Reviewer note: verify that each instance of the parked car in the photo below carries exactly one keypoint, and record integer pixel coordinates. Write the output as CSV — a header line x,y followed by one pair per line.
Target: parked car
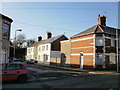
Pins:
x,y
14,71
30,61
16,61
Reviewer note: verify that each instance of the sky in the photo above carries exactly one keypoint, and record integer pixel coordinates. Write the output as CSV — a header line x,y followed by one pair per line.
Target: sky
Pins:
x,y
69,18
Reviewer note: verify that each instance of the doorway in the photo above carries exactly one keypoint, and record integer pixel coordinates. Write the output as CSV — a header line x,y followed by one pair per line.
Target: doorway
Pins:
x,y
81,60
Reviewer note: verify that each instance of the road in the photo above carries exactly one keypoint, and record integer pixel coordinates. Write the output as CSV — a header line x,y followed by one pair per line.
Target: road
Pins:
x,y
43,77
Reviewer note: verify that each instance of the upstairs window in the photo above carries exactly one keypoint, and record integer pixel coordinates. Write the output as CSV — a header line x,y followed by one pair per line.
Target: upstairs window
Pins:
x,y
107,42
39,48
46,47
5,30
113,43
99,41
43,48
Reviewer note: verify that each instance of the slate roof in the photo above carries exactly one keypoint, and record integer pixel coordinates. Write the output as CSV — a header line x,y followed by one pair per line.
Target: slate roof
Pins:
x,y
98,29
50,40
5,17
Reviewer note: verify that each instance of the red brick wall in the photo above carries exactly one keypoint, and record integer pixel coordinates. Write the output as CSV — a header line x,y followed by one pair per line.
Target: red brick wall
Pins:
x,y
82,43
88,60
56,46
85,50
76,48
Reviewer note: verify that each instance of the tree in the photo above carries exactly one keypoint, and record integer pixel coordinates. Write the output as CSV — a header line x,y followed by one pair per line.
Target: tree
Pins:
x,y
20,40
30,42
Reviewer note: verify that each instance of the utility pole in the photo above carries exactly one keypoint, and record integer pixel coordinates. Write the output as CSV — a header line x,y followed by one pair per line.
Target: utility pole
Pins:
x,y
15,41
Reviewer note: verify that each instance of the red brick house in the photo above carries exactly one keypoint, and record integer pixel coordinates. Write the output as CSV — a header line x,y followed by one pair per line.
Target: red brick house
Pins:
x,y
95,47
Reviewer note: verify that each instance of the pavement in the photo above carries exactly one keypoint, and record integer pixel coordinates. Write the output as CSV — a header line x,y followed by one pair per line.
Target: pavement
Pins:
x,y
82,70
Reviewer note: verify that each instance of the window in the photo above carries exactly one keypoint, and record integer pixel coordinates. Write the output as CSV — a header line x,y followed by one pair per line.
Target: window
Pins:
x,y
45,57
43,48
5,30
39,48
99,41
107,42
22,66
113,43
99,58
112,58
28,50
46,47
3,67
13,67
39,57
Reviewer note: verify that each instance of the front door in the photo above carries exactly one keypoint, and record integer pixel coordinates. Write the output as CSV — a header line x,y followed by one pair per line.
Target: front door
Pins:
x,y
81,60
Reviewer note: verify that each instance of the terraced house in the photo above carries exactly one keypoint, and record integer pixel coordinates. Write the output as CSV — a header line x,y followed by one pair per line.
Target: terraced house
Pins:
x,y
46,51
5,27
95,47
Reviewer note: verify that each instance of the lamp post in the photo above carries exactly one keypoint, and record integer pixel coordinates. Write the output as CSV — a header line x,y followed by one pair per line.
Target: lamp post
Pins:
x,y
117,50
15,40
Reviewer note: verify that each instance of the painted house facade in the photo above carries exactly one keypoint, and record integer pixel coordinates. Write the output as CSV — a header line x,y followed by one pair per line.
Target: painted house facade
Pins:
x,y
5,27
95,47
46,51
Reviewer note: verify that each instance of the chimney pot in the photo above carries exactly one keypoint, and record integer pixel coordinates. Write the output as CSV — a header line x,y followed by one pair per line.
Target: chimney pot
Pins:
x,y
39,38
49,35
101,20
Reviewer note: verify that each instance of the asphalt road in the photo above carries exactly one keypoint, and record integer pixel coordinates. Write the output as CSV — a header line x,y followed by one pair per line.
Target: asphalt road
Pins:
x,y
53,78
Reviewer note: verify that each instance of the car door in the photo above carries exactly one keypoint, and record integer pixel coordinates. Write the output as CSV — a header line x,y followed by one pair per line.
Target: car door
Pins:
x,y
3,72
13,71
23,69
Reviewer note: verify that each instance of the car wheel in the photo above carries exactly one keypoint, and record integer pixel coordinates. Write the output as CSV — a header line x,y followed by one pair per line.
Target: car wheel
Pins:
x,y
22,78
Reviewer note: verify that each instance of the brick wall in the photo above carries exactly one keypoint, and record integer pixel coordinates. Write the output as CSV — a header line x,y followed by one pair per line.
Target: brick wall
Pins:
x,y
84,44
55,46
65,52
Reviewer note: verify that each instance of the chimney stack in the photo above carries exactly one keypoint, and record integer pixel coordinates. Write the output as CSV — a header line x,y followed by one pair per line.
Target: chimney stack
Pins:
x,y
101,20
49,35
39,38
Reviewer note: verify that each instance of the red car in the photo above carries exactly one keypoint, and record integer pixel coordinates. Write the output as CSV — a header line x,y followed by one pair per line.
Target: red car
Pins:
x,y
14,71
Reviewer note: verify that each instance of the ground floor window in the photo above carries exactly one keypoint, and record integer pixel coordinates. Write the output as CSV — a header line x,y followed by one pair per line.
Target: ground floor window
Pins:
x,y
99,59
45,57
39,57
112,58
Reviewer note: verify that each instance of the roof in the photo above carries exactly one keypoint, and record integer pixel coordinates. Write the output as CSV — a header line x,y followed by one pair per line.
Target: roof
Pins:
x,y
98,29
7,18
50,40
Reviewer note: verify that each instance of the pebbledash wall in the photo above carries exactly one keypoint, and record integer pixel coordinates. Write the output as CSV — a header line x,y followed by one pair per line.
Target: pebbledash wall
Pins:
x,y
0,38
5,25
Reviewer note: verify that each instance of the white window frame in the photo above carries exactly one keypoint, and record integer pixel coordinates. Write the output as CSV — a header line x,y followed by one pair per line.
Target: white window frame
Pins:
x,y
112,43
112,58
